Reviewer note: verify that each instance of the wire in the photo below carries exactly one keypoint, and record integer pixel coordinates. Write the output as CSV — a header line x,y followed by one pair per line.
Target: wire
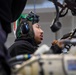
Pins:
x,y
18,58
57,9
34,6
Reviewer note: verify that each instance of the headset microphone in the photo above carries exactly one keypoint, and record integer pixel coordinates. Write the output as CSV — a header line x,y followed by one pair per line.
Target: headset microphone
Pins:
x,y
56,25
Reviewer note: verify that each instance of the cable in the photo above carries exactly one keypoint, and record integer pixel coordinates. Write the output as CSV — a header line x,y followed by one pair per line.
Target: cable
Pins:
x,y
72,33
20,58
57,10
34,6
55,25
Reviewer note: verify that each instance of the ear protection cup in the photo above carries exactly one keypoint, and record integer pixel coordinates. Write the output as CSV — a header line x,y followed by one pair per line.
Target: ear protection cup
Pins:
x,y
25,27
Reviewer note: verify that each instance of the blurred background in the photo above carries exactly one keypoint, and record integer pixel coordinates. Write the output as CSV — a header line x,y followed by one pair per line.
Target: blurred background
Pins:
x,y
46,10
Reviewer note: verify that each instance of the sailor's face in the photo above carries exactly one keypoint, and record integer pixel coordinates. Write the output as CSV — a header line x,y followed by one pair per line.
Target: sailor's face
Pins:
x,y
38,32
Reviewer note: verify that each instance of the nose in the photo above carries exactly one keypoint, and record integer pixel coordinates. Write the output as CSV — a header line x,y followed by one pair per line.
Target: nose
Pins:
x,y
42,31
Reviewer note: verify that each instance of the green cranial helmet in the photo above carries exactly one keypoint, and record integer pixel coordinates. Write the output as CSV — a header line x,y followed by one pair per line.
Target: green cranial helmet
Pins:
x,y
31,17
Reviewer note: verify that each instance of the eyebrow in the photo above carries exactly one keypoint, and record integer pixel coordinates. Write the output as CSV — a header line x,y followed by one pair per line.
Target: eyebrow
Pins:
x,y
38,25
